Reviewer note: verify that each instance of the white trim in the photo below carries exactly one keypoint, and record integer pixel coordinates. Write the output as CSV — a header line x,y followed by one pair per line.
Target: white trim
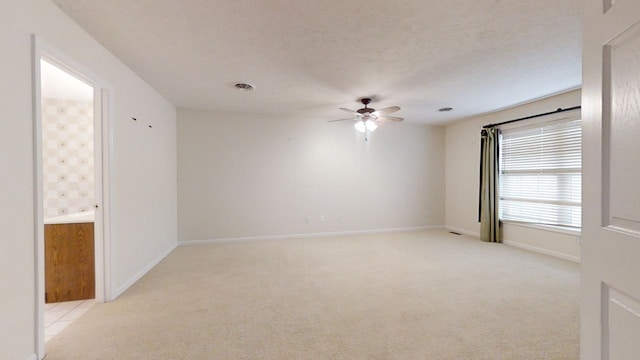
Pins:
x,y
38,213
462,231
43,50
103,135
106,102
536,249
305,236
119,291
551,228
539,250
32,357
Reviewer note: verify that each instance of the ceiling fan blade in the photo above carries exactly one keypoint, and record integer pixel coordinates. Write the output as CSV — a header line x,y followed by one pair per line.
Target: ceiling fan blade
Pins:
x,y
341,120
348,110
390,118
386,111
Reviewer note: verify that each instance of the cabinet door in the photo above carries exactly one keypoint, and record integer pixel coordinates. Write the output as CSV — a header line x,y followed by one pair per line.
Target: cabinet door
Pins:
x,y
69,262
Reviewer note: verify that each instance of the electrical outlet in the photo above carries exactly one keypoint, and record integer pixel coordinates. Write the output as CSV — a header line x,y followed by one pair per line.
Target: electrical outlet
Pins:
x,y
307,219
340,219
322,218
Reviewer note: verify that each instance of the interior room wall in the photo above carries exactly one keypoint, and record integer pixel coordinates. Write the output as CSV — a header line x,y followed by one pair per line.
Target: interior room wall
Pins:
x,y
67,156
143,179
463,173
263,175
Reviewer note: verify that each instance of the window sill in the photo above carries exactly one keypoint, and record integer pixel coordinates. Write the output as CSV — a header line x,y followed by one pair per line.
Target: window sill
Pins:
x,y
552,228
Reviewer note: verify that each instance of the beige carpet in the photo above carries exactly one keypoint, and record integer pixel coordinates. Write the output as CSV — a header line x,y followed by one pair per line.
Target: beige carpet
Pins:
x,y
422,295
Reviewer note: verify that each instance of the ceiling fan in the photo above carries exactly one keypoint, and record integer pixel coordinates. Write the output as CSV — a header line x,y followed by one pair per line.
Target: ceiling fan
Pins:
x,y
368,118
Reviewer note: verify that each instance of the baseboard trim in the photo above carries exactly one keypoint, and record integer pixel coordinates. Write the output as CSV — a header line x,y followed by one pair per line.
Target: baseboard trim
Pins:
x,y
305,236
540,250
32,357
142,272
462,231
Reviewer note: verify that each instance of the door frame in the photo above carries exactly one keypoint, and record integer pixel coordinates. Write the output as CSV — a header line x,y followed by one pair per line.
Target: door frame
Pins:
x,y
103,143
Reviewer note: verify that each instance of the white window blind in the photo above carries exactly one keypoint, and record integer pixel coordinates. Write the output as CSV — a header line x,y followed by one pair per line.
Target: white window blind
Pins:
x,y
541,174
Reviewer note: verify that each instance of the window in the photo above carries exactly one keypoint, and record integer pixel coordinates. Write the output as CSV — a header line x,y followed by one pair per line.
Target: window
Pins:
x,y
541,174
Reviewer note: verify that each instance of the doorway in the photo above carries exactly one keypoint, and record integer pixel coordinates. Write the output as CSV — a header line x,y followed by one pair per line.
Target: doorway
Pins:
x,y
70,125
68,185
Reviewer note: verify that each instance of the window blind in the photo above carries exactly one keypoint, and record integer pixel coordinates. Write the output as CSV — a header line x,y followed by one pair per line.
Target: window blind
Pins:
x,y
541,174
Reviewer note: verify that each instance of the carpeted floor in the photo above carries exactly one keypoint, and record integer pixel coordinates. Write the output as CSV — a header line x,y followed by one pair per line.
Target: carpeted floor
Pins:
x,y
421,295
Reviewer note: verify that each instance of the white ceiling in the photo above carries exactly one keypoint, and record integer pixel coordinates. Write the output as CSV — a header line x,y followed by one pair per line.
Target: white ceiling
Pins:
x,y
312,57
59,84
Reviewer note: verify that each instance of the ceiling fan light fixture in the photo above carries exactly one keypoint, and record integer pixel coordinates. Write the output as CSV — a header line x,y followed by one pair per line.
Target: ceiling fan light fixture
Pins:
x,y
371,126
368,119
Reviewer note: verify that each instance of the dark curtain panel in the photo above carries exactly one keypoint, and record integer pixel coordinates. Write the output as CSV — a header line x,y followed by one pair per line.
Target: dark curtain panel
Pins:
x,y
489,221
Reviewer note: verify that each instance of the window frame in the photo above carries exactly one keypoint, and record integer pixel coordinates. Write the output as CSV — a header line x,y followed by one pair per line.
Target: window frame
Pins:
x,y
532,124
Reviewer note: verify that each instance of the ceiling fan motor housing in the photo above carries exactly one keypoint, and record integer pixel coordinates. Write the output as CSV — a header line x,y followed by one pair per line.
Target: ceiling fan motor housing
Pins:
x,y
365,109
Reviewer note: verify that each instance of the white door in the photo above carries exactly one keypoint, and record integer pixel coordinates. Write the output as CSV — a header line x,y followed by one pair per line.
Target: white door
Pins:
x,y
610,295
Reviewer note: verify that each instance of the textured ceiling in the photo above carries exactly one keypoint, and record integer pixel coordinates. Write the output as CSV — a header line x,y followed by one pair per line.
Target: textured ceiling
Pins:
x,y
311,57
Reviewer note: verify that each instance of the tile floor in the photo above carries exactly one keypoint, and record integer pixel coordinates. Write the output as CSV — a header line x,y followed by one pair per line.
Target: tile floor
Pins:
x,y
58,315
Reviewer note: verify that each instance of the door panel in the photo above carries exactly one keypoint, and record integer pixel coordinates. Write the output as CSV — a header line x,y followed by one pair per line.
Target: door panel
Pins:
x,y
69,262
610,284
622,100
623,322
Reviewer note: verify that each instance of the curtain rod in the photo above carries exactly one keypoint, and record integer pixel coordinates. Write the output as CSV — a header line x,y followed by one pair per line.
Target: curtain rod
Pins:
x,y
532,116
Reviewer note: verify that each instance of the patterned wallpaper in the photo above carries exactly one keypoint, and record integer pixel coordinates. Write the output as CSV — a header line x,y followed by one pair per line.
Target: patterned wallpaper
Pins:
x,y
67,127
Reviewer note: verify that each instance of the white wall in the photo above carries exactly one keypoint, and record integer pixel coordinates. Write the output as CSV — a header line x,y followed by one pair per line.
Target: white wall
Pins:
x,y
260,175
463,172
144,163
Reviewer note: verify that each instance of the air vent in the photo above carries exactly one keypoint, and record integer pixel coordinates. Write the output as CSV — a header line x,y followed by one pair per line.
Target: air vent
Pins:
x,y
244,86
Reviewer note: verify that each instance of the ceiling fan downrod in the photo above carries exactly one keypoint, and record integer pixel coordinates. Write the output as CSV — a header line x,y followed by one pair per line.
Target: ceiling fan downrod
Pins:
x,y
366,110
